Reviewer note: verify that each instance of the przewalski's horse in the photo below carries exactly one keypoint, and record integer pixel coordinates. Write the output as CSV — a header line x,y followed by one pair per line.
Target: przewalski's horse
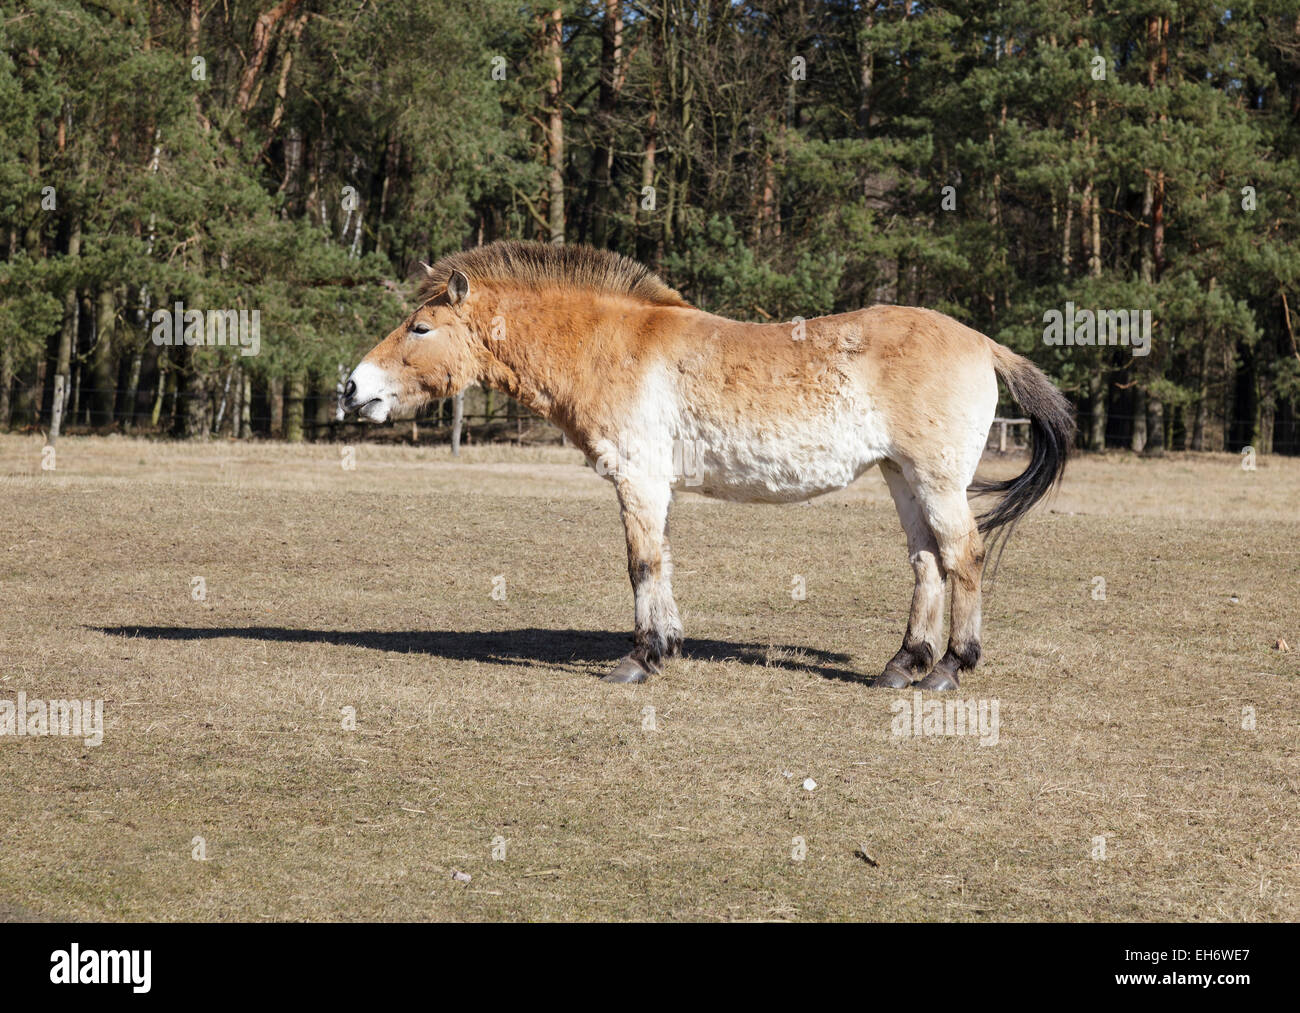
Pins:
x,y
662,396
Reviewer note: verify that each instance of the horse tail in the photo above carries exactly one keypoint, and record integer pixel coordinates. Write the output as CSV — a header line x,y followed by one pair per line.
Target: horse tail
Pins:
x,y
1052,426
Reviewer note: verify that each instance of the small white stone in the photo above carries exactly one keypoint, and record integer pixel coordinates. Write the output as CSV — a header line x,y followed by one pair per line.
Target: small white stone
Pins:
x,y
809,784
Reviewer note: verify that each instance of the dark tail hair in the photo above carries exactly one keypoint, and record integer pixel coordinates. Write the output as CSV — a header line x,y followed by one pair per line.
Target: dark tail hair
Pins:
x,y
1051,421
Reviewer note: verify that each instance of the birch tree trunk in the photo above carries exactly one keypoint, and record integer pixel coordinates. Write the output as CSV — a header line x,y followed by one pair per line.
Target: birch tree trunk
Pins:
x,y
457,417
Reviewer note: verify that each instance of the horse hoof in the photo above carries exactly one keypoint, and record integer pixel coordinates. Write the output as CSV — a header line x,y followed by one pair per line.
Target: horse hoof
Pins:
x,y
891,678
627,670
938,682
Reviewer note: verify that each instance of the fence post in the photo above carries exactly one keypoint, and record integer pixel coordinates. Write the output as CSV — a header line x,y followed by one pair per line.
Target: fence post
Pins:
x,y
56,409
457,416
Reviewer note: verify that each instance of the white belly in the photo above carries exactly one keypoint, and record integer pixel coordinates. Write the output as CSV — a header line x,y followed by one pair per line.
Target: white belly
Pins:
x,y
778,462
779,459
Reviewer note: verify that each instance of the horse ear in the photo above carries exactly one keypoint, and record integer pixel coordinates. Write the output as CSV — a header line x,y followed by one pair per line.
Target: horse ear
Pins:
x,y
457,288
427,269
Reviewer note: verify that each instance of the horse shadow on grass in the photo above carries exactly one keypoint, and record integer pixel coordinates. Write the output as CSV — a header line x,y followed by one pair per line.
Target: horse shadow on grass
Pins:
x,y
526,647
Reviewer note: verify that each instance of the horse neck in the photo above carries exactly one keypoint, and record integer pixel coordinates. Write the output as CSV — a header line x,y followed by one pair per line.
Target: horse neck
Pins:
x,y
543,357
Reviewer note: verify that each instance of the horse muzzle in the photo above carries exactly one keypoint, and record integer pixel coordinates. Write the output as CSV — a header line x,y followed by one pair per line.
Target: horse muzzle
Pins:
x,y
368,393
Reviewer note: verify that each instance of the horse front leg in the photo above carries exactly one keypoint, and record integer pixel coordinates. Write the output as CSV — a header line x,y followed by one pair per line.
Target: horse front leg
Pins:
x,y
657,631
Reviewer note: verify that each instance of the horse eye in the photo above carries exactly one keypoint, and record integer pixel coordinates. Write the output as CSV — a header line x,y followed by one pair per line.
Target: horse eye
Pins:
x,y
421,329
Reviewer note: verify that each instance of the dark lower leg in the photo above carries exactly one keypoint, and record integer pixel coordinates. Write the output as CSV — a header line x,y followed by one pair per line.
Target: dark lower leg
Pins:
x,y
957,659
913,660
646,658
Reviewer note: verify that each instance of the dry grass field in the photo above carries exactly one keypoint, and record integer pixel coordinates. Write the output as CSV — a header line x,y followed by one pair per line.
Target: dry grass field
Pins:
x,y
1127,718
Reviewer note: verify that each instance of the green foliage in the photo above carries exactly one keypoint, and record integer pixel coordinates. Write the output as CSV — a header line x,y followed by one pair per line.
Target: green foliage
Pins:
x,y
967,157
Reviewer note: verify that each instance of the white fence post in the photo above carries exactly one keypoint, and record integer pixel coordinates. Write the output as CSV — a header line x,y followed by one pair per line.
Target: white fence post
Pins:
x,y
1002,425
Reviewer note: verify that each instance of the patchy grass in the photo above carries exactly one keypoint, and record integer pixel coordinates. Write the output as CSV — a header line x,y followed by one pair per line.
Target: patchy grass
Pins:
x,y
479,719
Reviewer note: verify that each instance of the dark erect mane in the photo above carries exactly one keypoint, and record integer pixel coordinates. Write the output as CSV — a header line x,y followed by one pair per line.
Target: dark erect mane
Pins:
x,y
536,265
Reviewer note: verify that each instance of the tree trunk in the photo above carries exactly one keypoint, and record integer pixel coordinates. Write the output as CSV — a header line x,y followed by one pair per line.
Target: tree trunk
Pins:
x,y
191,413
67,335
1090,233
276,397
155,410
1202,418
7,354
30,402
1264,423
1158,32
220,420
1097,406
237,402
246,409
322,413
130,408
85,320
555,124
6,379
602,154
104,371
1155,426
1138,438
290,186
293,408
646,245
457,417
263,30
866,70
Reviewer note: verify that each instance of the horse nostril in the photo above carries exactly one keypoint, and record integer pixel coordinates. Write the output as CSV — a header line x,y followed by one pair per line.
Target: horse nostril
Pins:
x,y
350,389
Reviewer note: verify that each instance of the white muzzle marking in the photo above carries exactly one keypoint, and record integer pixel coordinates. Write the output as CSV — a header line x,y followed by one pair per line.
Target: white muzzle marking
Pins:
x,y
373,399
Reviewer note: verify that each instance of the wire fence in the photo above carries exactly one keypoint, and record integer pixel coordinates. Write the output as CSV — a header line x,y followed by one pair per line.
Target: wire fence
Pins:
x,y
510,422
1010,435
522,424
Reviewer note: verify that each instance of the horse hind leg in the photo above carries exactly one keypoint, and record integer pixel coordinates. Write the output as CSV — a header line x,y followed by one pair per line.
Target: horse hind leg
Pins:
x,y
925,622
961,553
